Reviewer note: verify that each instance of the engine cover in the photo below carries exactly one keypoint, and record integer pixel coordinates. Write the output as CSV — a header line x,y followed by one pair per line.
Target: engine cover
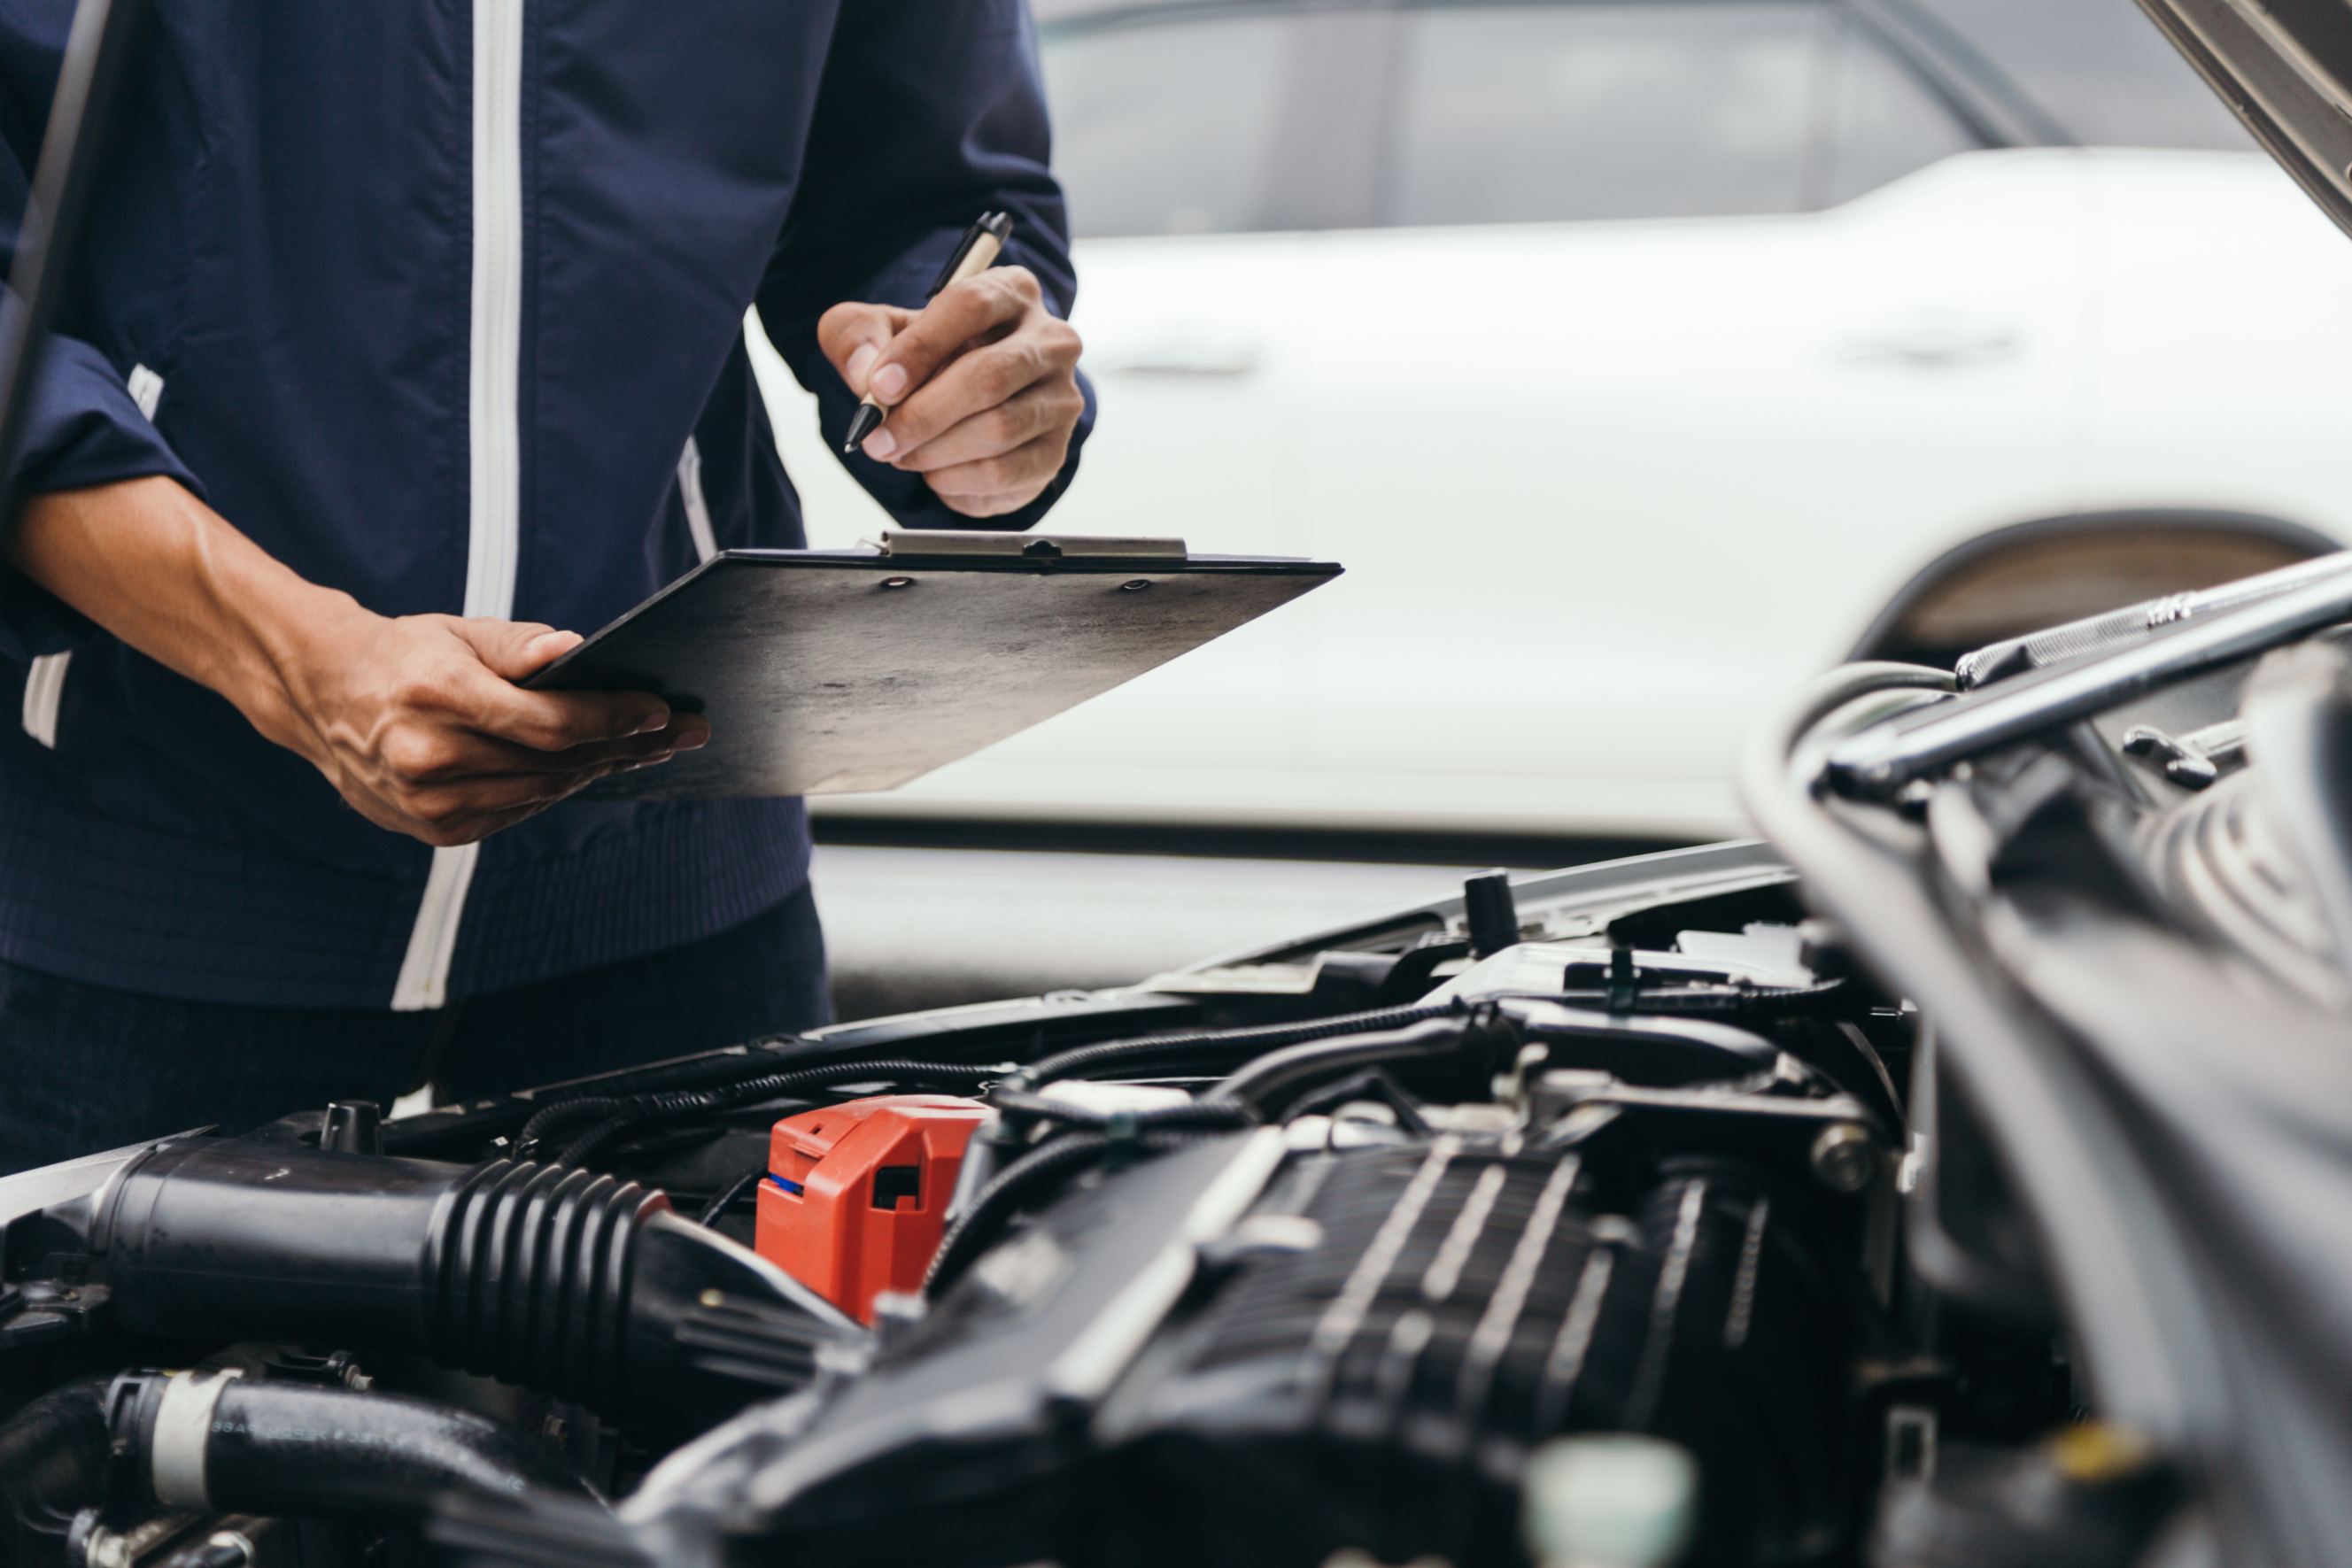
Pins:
x,y
1227,1357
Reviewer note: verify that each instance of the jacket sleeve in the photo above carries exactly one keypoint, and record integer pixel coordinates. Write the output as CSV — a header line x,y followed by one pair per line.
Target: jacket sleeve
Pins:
x,y
929,113
84,427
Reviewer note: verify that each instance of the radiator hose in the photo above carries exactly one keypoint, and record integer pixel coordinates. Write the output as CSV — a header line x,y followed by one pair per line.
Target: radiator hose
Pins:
x,y
214,1442
52,1466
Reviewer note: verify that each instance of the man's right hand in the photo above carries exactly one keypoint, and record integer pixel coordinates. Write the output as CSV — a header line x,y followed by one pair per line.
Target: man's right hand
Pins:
x,y
416,720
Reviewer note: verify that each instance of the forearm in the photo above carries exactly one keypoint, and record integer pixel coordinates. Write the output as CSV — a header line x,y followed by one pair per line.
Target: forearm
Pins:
x,y
154,565
417,720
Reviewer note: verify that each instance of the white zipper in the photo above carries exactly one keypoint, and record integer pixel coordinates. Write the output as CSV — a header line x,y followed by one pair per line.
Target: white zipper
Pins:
x,y
45,683
697,505
494,526
45,691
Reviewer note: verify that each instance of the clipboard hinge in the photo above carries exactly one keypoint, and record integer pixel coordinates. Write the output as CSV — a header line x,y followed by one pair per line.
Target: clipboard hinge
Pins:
x,y
962,543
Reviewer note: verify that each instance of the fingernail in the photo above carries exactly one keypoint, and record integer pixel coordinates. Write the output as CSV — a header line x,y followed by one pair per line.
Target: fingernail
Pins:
x,y
656,720
861,359
891,382
881,444
694,739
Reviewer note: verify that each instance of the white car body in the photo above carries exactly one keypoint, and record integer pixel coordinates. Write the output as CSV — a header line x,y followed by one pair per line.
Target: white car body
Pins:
x,y
1612,487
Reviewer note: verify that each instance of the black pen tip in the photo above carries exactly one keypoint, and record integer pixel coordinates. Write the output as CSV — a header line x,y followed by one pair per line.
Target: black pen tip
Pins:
x,y
864,423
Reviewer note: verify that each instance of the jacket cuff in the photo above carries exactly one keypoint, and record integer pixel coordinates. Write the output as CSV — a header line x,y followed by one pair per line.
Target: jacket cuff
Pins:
x,y
84,431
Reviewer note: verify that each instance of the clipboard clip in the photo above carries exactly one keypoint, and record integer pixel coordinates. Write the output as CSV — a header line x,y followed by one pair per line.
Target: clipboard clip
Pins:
x,y
971,544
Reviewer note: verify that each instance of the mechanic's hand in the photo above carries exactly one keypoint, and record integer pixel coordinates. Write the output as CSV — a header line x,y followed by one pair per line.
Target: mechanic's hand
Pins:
x,y
419,723
982,385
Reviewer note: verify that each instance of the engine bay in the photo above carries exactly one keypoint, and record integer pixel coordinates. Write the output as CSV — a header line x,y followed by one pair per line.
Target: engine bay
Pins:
x,y
1679,1209
1265,1262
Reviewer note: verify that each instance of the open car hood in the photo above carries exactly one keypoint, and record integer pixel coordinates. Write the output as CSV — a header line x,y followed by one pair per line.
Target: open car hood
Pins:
x,y
2285,66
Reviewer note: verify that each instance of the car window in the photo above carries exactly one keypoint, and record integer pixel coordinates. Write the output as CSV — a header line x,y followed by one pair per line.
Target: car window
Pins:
x,y
1168,128
1520,114
1883,121
2098,69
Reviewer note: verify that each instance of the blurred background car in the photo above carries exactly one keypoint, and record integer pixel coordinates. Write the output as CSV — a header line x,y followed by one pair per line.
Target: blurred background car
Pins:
x,y
1638,358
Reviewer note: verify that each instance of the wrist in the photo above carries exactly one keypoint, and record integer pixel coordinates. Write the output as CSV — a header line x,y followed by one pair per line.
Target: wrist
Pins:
x,y
149,561
290,636
259,627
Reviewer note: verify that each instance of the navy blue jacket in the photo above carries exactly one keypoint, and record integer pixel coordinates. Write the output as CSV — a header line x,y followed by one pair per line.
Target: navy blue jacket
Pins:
x,y
442,303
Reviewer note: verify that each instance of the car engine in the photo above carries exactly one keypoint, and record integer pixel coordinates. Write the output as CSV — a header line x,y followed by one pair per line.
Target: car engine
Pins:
x,y
1679,1209
1258,1264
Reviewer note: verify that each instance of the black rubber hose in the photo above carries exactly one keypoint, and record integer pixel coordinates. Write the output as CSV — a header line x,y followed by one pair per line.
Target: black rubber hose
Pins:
x,y
277,1448
217,1551
566,1281
52,1466
1219,1044
301,1450
1270,1082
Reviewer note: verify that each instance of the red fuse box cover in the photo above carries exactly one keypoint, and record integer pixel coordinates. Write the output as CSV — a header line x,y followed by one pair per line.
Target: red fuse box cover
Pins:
x,y
856,1196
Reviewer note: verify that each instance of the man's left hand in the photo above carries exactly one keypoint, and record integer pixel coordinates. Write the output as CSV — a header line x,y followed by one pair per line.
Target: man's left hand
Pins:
x,y
982,385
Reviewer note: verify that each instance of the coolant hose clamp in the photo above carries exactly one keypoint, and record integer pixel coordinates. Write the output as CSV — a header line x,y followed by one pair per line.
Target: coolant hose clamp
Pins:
x,y
182,1429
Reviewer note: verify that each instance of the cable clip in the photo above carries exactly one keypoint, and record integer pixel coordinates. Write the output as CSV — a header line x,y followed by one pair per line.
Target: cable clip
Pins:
x,y
1624,981
1125,1132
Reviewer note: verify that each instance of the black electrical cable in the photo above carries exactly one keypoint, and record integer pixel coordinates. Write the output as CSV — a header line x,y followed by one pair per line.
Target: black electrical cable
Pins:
x,y
591,1145
1371,1084
1734,999
1061,1158
1050,1161
616,1119
729,1195
990,1212
1219,1044
551,1119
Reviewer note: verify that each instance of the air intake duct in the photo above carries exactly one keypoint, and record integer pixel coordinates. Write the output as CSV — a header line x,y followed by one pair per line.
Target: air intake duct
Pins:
x,y
565,1280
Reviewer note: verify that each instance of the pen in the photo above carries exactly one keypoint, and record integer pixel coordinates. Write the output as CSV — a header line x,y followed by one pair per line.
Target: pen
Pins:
x,y
974,254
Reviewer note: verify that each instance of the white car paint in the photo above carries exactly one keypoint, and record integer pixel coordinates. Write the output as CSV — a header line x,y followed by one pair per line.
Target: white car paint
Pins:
x,y
1608,491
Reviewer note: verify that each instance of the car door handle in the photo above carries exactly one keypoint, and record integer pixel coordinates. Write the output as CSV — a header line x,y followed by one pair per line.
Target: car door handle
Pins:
x,y
1933,343
1201,357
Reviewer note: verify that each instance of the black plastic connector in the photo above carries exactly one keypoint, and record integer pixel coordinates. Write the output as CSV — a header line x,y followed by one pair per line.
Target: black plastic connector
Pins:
x,y
1491,913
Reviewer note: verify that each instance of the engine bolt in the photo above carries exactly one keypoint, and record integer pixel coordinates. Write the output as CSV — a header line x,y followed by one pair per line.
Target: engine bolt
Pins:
x,y
1845,1157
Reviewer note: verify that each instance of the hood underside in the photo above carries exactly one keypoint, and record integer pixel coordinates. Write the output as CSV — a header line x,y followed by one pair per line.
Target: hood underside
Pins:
x,y
2285,66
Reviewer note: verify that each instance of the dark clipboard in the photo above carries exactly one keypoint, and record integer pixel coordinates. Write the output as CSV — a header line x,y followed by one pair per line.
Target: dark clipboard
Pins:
x,y
834,671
